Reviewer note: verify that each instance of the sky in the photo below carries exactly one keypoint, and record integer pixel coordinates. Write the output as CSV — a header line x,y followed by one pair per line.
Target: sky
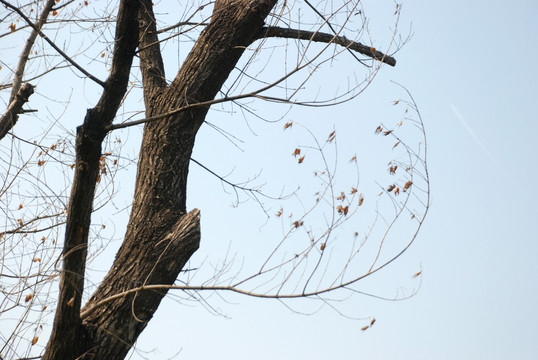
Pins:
x,y
470,66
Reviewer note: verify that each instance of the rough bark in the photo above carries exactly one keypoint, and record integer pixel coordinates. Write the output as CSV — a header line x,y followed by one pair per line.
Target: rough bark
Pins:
x,y
69,338
161,236
156,256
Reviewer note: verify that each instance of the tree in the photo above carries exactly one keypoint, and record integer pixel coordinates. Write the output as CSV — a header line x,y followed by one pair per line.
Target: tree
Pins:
x,y
162,234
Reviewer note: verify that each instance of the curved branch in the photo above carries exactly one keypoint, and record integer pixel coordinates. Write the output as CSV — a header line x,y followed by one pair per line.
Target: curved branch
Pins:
x,y
275,31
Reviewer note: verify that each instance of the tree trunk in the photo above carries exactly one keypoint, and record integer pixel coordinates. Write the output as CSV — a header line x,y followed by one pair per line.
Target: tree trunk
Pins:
x,y
161,236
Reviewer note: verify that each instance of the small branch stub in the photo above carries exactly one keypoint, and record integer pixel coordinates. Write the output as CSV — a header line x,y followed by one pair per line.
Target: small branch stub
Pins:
x,y
10,117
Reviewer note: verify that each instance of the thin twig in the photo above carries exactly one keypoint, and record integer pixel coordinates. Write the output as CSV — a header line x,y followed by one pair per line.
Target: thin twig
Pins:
x,y
51,43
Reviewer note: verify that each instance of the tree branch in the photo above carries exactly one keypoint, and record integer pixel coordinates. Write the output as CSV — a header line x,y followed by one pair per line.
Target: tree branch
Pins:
x,y
68,338
51,43
151,62
10,117
156,261
274,31
19,72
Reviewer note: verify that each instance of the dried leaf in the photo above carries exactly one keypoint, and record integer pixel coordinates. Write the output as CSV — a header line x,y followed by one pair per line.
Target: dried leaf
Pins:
x,y
34,340
296,152
342,196
12,27
397,143
391,187
332,136
288,125
279,213
407,185
41,162
353,158
19,221
378,129
71,302
353,190
21,206
417,274
372,322
342,209
54,12
301,159
395,102
36,259
388,132
361,199
397,190
322,247
365,327
392,169
28,297
399,123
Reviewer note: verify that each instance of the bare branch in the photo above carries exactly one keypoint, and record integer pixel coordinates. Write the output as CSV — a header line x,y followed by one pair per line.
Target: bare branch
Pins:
x,y
10,117
274,31
19,71
67,324
52,44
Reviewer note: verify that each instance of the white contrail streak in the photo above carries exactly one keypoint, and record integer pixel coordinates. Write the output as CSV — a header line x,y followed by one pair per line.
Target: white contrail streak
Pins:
x,y
485,149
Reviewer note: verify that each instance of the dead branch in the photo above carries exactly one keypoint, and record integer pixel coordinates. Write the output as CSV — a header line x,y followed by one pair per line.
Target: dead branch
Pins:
x,y
10,117
275,31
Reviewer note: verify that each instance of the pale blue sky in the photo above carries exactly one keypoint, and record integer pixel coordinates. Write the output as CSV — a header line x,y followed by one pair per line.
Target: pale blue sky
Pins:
x,y
471,67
